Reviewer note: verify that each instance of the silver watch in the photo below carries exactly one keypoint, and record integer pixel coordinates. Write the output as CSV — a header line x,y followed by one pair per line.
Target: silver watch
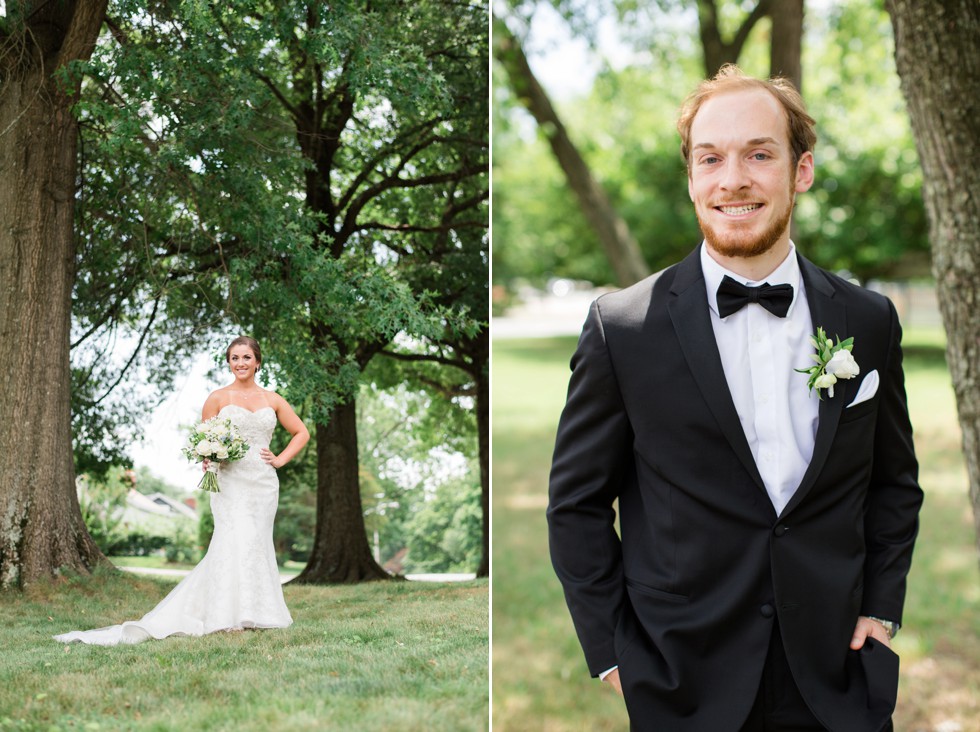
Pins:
x,y
891,628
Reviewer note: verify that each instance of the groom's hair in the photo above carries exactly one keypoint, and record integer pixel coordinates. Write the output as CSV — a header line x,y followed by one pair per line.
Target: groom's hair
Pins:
x,y
730,78
244,341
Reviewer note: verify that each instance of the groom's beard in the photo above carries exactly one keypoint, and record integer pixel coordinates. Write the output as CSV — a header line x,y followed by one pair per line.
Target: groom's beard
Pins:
x,y
744,244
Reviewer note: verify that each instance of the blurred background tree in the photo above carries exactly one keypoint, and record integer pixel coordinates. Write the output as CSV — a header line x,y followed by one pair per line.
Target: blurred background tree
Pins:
x,y
865,214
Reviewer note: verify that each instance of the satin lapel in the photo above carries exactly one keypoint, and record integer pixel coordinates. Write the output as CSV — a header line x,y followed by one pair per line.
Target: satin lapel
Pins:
x,y
691,318
827,311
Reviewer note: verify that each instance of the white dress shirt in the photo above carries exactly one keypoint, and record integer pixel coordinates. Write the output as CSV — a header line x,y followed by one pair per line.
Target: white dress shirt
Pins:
x,y
759,352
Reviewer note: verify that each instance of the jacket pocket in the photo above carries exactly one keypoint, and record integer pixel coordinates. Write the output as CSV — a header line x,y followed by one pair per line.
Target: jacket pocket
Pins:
x,y
656,592
879,664
860,411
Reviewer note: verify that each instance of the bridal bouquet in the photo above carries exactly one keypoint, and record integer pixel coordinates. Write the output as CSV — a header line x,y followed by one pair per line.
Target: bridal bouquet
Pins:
x,y
217,441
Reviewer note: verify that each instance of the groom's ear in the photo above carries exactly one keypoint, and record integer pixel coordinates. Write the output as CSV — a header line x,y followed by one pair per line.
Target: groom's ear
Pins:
x,y
804,172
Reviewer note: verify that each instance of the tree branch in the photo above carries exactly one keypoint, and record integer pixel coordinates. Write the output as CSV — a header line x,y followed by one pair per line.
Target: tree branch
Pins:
x,y
741,36
422,357
393,182
293,111
387,151
409,228
139,346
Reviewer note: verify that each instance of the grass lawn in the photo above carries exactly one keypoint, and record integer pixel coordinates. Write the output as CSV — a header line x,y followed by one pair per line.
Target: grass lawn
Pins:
x,y
378,656
156,561
540,681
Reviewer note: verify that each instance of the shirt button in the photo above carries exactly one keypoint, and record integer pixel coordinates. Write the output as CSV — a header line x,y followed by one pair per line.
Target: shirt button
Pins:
x,y
767,611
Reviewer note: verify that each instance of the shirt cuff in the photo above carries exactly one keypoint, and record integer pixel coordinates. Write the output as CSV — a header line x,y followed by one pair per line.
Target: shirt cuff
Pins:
x,y
604,674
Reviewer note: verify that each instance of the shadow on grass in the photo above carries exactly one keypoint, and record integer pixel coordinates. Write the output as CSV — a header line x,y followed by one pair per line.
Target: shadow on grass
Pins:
x,y
918,355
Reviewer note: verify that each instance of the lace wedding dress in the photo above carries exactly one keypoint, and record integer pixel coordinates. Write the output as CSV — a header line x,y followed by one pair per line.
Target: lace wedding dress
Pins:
x,y
236,585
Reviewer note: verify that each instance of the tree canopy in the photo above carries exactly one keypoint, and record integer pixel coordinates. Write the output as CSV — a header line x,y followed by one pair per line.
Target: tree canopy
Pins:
x,y
306,173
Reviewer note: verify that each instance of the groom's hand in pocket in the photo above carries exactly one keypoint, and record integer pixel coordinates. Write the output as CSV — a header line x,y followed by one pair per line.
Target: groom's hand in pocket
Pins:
x,y
865,628
612,678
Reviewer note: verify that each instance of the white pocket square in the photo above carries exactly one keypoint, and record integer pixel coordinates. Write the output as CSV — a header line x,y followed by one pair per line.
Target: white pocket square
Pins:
x,y
868,388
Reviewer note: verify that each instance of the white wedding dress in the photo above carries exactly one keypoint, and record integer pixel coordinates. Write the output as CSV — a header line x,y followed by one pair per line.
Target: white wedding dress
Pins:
x,y
236,585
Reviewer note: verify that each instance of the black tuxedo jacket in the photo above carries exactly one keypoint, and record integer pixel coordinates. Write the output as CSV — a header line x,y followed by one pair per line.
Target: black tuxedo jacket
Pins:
x,y
685,597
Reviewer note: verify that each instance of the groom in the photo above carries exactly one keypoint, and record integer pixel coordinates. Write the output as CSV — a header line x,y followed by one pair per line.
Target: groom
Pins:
x,y
765,529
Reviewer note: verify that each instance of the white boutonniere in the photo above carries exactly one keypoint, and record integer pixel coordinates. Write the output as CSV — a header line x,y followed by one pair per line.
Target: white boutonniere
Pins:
x,y
833,362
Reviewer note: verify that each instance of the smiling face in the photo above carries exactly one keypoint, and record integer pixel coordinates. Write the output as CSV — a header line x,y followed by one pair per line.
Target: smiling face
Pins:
x,y
742,179
243,363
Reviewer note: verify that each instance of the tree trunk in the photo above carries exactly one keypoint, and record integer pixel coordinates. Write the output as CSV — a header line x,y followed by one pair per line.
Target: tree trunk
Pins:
x,y
785,53
41,527
340,553
785,46
483,434
621,249
937,51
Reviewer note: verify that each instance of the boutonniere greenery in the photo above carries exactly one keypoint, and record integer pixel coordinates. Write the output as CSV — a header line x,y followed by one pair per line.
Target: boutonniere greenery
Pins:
x,y
833,362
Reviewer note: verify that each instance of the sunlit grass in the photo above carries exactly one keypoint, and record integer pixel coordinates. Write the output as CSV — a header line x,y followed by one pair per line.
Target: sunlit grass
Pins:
x,y
155,561
540,680
379,656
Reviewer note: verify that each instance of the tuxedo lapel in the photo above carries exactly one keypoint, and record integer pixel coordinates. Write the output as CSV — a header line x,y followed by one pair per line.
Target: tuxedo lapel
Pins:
x,y
827,311
689,314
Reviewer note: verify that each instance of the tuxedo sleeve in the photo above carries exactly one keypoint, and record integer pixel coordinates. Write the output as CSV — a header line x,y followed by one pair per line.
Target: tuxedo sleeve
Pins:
x,y
593,455
894,495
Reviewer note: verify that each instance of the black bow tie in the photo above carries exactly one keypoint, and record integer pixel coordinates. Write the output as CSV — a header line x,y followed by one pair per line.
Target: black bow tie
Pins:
x,y
733,295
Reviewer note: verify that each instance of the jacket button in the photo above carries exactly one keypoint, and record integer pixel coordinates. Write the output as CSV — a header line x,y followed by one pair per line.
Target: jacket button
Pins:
x,y
781,530
767,611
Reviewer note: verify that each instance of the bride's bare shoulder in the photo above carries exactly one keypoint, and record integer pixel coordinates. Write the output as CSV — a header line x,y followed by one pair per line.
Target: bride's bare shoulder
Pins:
x,y
221,394
273,399
216,400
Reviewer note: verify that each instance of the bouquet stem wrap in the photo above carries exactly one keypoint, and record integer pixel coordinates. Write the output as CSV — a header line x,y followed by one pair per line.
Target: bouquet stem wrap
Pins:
x,y
209,482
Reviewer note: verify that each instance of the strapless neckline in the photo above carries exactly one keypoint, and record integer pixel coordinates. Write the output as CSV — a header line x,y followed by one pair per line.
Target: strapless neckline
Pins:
x,y
244,409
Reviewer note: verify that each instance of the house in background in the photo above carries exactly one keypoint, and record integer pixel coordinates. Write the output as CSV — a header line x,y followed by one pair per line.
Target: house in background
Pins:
x,y
159,504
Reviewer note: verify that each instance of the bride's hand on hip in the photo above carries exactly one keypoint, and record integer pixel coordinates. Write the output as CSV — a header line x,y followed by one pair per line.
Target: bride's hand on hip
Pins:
x,y
266,454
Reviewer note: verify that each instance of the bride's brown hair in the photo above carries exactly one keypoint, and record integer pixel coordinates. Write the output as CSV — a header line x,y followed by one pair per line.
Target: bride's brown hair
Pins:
x,y
245,341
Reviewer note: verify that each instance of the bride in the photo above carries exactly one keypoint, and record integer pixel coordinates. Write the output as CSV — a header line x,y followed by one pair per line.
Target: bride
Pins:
x,y
236,585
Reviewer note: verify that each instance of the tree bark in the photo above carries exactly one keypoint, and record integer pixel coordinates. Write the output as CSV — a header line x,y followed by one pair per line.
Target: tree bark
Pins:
x,y
786,51
937,52
340,553
483,433
41,527
621,249
785,46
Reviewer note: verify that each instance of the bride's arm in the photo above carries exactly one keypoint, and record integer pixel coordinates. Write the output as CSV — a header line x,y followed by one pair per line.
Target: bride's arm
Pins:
x,y
212,405
294,426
